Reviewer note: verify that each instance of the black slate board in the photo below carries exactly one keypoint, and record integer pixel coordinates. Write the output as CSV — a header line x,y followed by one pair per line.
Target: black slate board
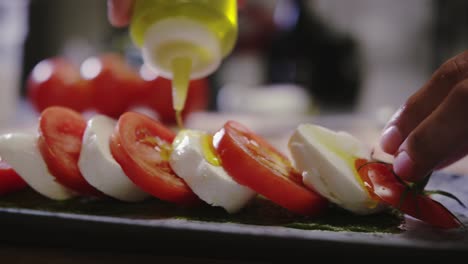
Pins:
x,y
262,231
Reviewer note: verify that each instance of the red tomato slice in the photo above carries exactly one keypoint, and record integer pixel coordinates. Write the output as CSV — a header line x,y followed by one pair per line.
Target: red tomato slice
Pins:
x,y
57,82
381,181
253,162
10,181
142,147
60,133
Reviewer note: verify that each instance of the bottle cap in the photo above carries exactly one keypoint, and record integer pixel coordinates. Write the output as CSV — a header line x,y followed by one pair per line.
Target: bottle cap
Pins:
x,y
174,38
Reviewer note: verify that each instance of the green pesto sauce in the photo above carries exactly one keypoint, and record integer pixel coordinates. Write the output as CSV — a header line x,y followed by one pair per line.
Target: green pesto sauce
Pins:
x,y
259,212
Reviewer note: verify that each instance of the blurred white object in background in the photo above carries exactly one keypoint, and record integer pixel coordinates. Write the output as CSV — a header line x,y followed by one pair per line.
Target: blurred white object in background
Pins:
x,y
271,100
246,69
270,110
13,29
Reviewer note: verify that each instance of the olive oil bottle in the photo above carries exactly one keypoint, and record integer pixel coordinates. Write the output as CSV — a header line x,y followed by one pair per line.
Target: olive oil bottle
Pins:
x,y
184,39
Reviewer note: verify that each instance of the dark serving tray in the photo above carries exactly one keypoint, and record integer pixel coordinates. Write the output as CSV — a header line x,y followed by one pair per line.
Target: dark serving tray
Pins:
x,y
262,230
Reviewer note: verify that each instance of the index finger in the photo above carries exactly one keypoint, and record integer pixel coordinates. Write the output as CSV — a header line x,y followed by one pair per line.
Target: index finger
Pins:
x,y
421,104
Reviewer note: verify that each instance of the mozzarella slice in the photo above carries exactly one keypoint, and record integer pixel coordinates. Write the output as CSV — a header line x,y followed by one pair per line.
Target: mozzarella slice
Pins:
x,y
99,167
20,151
211,183
327,161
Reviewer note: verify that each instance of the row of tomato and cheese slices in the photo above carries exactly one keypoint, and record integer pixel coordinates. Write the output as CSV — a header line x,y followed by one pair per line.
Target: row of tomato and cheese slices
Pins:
x,y
135,157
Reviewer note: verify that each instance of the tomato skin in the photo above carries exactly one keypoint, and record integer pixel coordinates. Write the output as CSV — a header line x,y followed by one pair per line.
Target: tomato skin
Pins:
x,y
10,181
60,133
57,82
157,95
144,163
114,84
384,185
265,170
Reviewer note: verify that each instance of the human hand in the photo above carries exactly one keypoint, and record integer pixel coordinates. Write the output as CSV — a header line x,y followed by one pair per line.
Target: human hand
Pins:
x,y
119,12
430,130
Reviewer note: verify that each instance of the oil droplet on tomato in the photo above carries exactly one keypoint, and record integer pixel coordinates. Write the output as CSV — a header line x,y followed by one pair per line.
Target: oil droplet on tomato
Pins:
x,y
209,151
270,158
164,148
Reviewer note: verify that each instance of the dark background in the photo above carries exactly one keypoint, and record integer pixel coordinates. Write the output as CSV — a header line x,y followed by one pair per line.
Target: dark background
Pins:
x,y
310,52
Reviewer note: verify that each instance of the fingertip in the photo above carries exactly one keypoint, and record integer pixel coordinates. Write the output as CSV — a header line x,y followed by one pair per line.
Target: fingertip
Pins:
x,y
391,139
406,168
403,165
117,22
118,12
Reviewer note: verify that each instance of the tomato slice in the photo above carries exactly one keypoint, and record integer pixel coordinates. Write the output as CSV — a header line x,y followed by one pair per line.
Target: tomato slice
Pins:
x,y
10,181
60,133
142,147
253,162
381,182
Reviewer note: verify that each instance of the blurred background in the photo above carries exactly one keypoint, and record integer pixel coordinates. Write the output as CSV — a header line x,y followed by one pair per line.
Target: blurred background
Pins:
x,y
293,58
355,55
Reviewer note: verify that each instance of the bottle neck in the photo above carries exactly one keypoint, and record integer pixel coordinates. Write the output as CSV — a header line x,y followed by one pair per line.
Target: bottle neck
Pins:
x,y
174,38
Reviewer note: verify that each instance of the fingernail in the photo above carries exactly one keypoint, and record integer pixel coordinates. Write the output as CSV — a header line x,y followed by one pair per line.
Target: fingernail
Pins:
x,y
391,139
394,117
403,165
